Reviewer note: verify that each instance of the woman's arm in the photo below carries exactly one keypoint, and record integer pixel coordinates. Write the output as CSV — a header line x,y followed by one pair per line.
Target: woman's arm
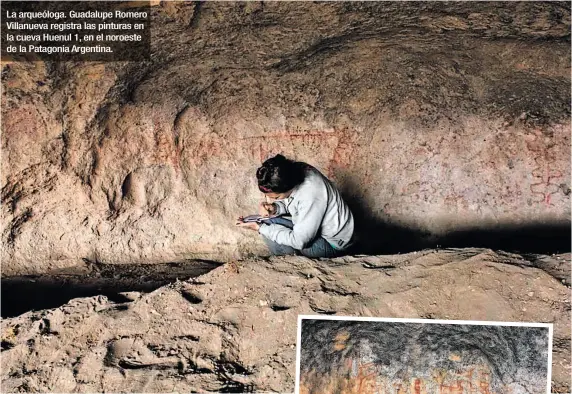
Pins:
x,y
310,213
280,208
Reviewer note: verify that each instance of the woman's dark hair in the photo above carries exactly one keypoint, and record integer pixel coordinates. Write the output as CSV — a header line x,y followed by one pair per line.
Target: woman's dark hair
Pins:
x,y
279,174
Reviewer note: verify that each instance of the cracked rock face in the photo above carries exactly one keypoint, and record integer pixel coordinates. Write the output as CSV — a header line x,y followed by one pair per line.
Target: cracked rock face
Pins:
x,y
234,329
427,115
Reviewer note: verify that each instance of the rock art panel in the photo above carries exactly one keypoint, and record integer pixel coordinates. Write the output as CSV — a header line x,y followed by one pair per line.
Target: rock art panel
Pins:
x,y
413,358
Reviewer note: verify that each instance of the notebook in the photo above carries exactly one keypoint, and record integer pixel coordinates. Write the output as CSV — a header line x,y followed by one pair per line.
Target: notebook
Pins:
x,y
255,218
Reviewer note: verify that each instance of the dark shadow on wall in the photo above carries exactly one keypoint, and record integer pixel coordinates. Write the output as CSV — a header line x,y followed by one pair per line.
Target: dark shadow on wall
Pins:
x,y
542,238
378,235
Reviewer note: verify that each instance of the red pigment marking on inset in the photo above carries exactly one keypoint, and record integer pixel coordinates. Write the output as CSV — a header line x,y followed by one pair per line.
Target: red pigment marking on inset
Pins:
x,y
469,374
366,375
456,388
484,385
349,363
417,386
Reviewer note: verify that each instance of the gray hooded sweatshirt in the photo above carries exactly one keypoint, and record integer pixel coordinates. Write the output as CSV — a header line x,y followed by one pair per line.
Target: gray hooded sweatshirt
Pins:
x,y
317,209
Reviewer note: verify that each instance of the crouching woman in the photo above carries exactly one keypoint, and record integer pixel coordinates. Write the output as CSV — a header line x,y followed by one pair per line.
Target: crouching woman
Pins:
x,y
306,212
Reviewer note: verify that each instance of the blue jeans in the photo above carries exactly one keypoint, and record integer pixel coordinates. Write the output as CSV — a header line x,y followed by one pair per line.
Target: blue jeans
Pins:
x,y
319,247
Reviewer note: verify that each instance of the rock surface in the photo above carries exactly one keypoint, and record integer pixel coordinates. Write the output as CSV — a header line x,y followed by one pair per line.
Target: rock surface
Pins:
x,y
234,329
369,357
432,118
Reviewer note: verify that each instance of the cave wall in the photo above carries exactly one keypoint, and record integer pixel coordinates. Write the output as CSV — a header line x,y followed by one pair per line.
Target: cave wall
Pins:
x,y
430,117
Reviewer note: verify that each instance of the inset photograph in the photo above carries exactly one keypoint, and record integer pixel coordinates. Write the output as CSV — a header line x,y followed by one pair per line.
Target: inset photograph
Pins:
x,y
346,355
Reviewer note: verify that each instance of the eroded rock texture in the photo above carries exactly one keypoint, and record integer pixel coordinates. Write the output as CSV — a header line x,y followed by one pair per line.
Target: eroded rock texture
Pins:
x,y
382,357
431,117
234,329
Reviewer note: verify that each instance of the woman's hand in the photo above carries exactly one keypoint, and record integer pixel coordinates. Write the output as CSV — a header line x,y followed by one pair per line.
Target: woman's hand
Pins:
x,y
266,209
250,225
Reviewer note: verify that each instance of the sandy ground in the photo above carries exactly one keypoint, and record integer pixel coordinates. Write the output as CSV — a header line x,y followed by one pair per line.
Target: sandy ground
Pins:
x,y
234,328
